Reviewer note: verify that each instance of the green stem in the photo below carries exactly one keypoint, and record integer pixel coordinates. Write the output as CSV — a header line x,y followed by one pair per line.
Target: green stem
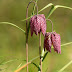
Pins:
x,y
27,31
65,66
40,51
13,25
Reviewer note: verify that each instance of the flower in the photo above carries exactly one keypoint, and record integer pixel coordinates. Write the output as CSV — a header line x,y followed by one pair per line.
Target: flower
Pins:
x,y
52,38
56,40
38,24
47,42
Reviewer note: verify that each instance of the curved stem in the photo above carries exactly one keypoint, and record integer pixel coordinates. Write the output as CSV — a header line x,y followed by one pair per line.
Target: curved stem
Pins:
x,y
27,30
40,51
51,23
34,7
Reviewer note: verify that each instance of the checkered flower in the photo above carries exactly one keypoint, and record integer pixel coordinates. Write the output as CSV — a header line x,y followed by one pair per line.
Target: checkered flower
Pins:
x,y
52,39
38,24
47,42
56,41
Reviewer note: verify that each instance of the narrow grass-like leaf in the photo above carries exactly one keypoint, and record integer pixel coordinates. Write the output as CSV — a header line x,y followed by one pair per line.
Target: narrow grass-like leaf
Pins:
x,y
3,63
36,66
50,4
55,7
19,65
66,44
44,56
13,25
65,66
34,59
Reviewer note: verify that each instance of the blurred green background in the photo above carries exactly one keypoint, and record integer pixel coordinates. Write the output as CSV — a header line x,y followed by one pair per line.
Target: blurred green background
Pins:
x,y
12,40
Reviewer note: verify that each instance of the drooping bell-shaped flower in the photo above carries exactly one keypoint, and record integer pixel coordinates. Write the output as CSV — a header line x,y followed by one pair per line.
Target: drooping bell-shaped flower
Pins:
x,y
56,40
52,38
47,42
38,24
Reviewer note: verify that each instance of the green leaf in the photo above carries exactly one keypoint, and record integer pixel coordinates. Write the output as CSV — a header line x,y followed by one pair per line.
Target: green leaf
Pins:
x,y
65,66
3,63
34,59
13,25
55,7
36,65
50,4
66,44
44,56
19,66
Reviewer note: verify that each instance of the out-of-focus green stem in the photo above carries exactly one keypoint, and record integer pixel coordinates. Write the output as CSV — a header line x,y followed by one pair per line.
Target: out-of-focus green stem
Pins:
x,y
65,66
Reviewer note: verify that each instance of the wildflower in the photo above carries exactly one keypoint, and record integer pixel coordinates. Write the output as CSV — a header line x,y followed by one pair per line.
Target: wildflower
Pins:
x,y
52,38
47,42
56,42
38,24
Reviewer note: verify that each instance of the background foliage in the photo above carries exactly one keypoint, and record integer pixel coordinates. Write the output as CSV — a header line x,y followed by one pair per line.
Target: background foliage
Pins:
x,y
12,40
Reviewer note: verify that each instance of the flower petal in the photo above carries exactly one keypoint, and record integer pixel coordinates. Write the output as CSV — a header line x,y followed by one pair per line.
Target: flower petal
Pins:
x,y
47,42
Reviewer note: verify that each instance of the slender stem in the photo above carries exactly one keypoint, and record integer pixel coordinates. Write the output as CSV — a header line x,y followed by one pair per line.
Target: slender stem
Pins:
x,y
34,3
51,23
27,31
40,51
27,40
61,70
34,7
23,67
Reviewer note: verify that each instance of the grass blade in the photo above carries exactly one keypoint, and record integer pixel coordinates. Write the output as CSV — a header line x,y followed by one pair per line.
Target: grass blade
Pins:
x,y
8,62
50,4
19,65
44,56
13,25
65,66
66,44
36,66
55,7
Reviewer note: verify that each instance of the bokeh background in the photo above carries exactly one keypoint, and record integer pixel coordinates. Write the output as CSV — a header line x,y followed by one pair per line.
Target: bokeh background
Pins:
x,y
12,40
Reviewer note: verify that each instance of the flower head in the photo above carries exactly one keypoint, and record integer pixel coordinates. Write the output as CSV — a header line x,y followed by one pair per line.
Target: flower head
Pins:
x,y
52,38
47,42
38,24
56,40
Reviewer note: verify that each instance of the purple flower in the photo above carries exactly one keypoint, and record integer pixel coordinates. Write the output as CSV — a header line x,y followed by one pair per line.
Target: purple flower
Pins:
x,y
56,40
47,42
38,24
52,39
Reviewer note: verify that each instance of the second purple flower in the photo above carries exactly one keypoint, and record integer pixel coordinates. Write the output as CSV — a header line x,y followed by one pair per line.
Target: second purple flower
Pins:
x,y
52,38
